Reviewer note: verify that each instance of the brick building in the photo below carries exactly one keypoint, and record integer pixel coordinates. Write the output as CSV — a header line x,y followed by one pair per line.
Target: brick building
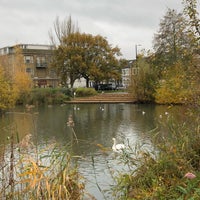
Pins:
x,y
37,61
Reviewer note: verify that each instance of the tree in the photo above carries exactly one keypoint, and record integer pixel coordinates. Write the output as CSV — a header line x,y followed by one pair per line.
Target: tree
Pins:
x,y
8,94
21,80
174,40
176,49
143,83
15,79
62,65
99,59
61,29
88,56
190,9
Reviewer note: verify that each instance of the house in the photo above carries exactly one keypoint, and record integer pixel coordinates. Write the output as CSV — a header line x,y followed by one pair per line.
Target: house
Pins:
x,y
37,58
37,62
127,72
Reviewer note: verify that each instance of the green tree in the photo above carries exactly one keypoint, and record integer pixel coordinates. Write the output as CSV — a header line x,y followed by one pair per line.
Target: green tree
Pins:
x,y
174,41
143,82
190,9
176,49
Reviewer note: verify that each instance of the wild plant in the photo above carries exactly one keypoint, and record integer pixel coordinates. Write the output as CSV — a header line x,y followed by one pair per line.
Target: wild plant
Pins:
x,y
42,171
171,171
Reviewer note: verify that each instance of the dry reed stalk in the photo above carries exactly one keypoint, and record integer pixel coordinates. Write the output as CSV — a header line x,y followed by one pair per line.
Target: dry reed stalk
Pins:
x,y
71,124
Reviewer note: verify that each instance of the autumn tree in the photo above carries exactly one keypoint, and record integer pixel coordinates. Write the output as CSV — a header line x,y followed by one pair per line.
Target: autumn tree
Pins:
x,y
99,62
88,56
61,30
190,10
174,44
15,78
79,55
21,79
8,94
175,87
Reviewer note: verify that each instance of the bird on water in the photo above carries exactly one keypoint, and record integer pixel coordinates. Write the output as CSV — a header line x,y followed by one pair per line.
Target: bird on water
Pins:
x,y
117,147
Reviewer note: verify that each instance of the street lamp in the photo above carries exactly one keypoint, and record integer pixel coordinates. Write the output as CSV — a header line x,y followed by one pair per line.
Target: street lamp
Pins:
x,y
137,45
135,71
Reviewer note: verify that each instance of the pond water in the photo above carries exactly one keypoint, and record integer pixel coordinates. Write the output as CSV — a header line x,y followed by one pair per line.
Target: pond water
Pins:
x,y
95,126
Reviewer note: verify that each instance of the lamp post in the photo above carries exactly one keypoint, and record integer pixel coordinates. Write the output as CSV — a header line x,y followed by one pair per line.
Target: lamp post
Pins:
x,y
134,67
136,54
136,57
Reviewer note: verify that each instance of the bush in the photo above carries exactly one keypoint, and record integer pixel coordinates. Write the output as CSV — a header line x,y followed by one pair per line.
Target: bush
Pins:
x,y
46,96
83,92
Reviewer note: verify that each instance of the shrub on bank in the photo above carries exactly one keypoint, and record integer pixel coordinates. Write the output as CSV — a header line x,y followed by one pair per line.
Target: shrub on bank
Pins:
x,y
46,96
83,92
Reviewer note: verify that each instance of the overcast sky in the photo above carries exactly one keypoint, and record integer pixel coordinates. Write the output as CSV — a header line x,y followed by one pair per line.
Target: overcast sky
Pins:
x,y
124,23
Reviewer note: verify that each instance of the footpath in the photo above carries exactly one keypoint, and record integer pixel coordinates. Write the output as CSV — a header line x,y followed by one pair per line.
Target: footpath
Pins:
x,y
118,97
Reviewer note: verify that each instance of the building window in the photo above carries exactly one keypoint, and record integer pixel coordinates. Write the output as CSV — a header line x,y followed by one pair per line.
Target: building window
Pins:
x,y
29,70
41,62
28,59
52,73
124,72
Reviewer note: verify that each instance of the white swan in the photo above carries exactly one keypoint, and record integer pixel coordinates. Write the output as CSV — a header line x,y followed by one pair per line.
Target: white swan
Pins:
x,y
117,147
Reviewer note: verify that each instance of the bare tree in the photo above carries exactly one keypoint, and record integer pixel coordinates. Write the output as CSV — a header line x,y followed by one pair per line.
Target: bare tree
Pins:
x,y
61,29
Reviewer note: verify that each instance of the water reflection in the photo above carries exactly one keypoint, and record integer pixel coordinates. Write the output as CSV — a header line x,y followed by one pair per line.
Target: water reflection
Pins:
x,y
95,126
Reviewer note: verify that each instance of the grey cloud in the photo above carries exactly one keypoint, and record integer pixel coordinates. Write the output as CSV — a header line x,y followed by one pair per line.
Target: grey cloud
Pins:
x,y
122,22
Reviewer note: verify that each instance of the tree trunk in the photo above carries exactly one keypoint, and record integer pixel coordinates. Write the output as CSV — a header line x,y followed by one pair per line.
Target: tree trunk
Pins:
x,y
87,82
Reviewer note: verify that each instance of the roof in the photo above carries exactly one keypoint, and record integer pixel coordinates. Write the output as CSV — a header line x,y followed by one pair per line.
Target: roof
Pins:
x,y
9,49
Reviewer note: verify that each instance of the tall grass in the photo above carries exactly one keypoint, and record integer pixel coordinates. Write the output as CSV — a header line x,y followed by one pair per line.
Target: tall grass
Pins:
x,y
29,172
163,175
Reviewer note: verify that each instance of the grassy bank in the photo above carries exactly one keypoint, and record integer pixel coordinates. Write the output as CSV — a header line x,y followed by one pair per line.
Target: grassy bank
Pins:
x,y
53,95
169,172
45,96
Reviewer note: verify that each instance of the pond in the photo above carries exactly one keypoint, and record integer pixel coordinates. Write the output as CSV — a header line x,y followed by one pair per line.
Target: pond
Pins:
x,y
95,126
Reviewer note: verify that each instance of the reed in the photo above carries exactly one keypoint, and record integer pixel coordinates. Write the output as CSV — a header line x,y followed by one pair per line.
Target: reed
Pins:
x,y
31,172
171,171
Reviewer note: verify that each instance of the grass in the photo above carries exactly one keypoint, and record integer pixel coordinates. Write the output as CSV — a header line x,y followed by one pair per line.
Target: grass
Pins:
x,y
162,174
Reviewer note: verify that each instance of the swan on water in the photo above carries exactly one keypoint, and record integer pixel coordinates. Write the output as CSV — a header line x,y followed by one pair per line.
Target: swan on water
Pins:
x,y
117,147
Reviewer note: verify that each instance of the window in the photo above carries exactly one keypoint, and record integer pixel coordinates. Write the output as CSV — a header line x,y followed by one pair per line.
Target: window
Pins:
x,y
41,61
135,70
28,70
28,59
